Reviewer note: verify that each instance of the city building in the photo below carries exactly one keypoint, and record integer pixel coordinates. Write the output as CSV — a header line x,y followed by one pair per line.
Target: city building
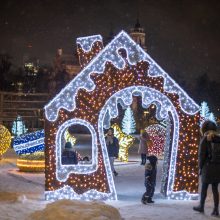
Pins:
x,y
138,35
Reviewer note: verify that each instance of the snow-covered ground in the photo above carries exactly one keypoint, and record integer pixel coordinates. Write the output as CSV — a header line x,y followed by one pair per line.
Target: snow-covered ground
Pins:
x,y
22,197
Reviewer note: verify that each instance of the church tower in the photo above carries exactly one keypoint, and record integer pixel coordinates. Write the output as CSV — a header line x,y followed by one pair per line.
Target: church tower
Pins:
x,y
138,35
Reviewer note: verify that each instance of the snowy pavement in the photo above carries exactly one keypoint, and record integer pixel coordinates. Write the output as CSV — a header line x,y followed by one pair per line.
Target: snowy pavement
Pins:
x,y
21,194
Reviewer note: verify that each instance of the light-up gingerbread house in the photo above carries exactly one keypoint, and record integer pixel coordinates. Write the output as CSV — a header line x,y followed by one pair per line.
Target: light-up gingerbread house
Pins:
x,y
111,75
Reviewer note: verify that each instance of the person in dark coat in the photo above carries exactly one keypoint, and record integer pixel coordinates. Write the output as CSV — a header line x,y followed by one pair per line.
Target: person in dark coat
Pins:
x,y
210,172
112,147
150,179
69,155
143,148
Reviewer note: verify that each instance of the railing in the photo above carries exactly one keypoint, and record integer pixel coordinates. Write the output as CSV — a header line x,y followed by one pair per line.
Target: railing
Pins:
x,y
28,105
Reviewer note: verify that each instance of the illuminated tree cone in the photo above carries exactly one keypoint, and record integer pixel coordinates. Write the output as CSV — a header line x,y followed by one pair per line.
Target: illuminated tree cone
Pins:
x,y
125,142
18,127
205,114
34,162
157,135
5,140
128,122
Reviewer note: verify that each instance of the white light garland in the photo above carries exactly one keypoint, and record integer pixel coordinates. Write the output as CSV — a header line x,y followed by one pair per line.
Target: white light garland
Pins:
x,y
183,195
67,192
87,42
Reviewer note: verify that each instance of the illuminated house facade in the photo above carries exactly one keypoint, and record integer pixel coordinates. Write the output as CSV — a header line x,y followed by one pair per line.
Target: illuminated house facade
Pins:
x,y
111,75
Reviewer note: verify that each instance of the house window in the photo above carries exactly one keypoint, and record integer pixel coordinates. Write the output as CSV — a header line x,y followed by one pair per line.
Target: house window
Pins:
x,y
83,140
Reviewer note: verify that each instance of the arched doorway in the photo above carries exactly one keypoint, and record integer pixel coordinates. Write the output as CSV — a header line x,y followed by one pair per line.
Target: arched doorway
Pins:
x,y
164,107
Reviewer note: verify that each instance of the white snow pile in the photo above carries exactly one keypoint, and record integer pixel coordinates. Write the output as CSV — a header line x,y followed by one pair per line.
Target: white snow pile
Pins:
x,y
75,210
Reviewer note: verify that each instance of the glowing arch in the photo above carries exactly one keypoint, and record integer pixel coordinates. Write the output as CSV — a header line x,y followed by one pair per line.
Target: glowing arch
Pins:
x,y
149,96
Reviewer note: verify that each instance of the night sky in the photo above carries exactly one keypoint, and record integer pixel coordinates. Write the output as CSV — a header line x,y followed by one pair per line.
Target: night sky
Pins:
x,y
182,36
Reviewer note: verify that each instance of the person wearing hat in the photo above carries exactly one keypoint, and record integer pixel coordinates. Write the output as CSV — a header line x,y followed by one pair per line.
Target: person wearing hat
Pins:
x,y
69,155
209,169
150,179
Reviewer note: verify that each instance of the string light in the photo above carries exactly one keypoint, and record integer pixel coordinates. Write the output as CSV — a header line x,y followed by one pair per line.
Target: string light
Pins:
x,y
31,165
125,142
157,134
109,77
5,139
69,137
34,162
29,143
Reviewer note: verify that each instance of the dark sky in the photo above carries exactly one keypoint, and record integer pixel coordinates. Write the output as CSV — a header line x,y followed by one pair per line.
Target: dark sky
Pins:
x,y
183,36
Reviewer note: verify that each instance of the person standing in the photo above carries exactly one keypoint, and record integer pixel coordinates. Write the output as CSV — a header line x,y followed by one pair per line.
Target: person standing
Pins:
x,y
143,148
112,147
69,155
150,179
209,166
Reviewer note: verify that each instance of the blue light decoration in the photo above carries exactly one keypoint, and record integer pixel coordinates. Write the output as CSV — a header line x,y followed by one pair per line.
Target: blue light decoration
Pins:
x,y
29,143
68,107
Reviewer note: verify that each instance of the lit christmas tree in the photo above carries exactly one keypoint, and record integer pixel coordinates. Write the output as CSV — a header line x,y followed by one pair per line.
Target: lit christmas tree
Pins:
x,y
128,122
212,117
205,114
18,127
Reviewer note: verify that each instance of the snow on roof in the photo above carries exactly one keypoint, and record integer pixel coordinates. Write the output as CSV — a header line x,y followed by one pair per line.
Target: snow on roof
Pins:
x,y
66,97
87,42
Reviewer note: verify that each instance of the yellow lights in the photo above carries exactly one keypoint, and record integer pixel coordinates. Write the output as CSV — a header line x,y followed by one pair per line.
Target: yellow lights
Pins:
x,y
69,137
34,162
5,140
125,142
31,165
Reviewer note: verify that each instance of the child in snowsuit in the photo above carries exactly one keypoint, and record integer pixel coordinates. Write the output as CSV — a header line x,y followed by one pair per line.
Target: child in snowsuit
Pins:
x,y
150,179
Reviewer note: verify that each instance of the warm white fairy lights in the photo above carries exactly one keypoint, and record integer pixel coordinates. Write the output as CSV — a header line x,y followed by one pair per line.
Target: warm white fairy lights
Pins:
x,y
5,139
67,100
